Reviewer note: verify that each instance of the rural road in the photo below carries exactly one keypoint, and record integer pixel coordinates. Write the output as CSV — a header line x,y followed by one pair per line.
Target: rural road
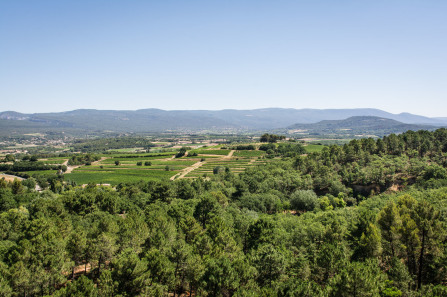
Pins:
x,y
71,168
197,165
187,170
230,154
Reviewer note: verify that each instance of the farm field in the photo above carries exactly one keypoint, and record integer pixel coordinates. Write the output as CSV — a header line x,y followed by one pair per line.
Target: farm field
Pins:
x,y
115,177
248,153
126,166
311,148
163,166
218,152
106,171
235,166
41,172
235,161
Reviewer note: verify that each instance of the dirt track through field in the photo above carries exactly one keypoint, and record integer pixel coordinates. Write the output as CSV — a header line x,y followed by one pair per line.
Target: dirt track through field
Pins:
x,y
71,168
187,170
230,154
193,167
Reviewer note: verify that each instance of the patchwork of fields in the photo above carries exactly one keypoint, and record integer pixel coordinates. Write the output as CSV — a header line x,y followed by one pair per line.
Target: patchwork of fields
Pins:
x,y
134,167
164,166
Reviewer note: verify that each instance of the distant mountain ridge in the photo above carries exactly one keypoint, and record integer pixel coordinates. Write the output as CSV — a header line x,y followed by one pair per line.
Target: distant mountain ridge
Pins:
x,y
358,125
157,120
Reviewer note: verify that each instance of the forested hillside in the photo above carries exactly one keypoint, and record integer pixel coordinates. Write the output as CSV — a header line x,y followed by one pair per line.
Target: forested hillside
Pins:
x,y
360,125
364,219
91,121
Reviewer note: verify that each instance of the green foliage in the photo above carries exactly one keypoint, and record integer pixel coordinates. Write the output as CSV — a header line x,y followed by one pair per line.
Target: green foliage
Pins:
x,y
245,147
358,279
105,144
234,235
82,159
265,203
181,152
271,138
270,263
219,169
304,200
81,287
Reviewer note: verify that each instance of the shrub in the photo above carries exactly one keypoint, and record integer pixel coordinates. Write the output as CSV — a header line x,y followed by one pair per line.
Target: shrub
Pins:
x,y
304,200
181,153
219,169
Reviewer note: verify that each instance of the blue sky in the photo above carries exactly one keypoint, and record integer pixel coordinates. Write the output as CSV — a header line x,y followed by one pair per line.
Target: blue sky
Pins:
x,y
63,55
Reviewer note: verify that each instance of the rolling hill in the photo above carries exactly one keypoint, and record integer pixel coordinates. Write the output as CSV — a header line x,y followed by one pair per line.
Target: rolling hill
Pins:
x,y
156,120
357,126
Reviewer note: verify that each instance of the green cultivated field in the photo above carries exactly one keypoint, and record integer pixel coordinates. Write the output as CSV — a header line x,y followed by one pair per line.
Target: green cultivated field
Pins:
x,y
115,177
311,148
235,164
211,152
128,171
41,172
163,165
249,153
105,171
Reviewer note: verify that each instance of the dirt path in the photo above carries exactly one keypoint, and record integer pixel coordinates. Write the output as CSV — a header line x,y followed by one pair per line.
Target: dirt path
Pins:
x,y
230,154
71,168
100,160
170,158
187,170
10,177
198,164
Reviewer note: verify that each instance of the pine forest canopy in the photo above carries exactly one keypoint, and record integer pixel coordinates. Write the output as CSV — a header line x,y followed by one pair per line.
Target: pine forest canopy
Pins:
x,y
363,219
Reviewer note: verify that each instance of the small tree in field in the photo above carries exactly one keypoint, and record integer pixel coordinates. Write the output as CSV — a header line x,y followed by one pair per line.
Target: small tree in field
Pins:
x,y
218,169
181,153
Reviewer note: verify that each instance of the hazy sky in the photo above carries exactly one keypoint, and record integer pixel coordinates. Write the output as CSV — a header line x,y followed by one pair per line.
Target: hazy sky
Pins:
x,y
63,55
